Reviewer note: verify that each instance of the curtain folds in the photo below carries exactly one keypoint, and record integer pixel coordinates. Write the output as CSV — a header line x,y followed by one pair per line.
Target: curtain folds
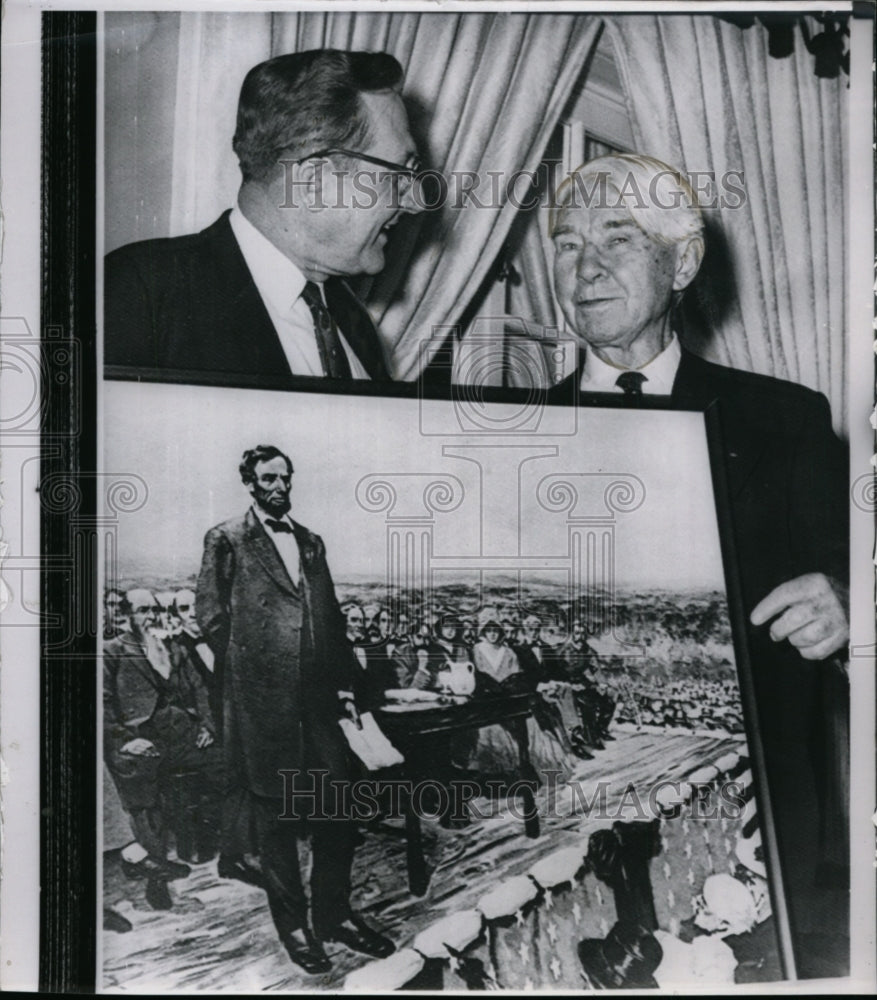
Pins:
x,y
215,53
493,115
702,94
470,114
705,95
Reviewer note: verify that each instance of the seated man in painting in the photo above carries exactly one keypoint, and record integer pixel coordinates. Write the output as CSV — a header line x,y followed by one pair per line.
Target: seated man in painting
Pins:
x,y
190,636
377,671
621,264
574,661
157,727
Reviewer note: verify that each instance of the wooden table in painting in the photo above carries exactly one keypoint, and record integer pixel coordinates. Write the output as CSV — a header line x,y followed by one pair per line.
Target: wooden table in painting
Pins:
x,y
422,733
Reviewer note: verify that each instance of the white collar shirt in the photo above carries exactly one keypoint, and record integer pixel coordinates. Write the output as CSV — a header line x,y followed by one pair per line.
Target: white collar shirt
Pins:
x,y
280,285
284,542
660,372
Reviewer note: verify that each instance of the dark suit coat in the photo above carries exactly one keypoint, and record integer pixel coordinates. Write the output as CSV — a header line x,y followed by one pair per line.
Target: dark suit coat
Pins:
x,y
279,669
189,304
132,689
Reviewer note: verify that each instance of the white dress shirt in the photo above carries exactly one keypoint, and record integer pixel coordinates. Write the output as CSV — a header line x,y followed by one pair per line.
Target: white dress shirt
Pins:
x,y
660,372
280,284
284,542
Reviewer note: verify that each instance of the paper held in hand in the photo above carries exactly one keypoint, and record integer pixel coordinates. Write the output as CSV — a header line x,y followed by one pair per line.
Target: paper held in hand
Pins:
x,y
370,744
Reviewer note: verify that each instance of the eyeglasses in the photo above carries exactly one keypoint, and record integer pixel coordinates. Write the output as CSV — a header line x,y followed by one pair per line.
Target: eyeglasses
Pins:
x,y
408,170
183,607
146,609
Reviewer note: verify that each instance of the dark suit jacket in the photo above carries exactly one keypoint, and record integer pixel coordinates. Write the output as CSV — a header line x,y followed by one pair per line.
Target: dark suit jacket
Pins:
x,y
281,654
131,689
189,304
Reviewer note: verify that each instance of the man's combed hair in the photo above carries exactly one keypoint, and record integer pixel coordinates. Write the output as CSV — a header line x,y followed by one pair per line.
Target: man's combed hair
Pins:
x,y
261,453
304,101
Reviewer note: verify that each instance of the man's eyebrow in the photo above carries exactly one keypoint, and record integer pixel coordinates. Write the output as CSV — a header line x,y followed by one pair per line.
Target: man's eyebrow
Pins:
x,y
618,223
562,231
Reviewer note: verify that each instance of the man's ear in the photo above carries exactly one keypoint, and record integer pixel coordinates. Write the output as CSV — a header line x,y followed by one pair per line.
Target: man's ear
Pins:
x,y
303,184
688,257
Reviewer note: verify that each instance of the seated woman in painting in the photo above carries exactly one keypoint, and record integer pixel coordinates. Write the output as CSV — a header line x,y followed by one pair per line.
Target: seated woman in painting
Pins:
x,y
494,660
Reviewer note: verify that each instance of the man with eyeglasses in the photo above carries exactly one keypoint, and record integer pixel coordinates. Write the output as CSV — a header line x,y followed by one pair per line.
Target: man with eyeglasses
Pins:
x,y
157,724
328,165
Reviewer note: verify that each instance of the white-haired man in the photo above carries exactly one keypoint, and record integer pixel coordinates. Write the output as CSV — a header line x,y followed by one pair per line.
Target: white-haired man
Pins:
x,y
628,241
157,723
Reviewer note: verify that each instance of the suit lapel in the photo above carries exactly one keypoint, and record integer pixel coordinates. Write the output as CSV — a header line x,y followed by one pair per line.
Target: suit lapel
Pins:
x,y
355,323
266,552
256,340
137,659
700,383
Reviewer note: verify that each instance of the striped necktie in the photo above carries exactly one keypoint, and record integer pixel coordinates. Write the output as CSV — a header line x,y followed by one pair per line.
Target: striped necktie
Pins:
x,y
332,354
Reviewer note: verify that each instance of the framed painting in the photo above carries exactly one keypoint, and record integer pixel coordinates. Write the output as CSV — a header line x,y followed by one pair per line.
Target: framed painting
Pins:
x,y
536,611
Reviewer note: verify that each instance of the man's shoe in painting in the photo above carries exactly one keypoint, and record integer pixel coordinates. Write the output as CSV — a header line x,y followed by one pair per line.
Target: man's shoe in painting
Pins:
x,y
157,894
306,952
229,866
356,934
153,868
580,747
114,921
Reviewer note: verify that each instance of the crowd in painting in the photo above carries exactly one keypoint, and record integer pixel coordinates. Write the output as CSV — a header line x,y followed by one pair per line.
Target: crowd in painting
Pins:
x,y
577,695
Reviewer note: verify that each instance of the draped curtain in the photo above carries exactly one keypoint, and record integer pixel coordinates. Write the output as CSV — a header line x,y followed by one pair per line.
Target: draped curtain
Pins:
x,y
487,91
705,95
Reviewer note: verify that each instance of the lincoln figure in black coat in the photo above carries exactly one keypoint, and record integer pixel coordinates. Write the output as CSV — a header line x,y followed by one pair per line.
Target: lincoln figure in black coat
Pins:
x,y
266,604
327,162
621,263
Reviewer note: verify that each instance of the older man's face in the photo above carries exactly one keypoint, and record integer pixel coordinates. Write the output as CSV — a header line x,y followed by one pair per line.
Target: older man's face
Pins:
x,y
184,605
144,611
614,284
355,623
365,201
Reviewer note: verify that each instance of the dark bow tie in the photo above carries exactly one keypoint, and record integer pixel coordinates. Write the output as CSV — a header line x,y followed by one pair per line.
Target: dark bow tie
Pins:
x,y
279,526
631,383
